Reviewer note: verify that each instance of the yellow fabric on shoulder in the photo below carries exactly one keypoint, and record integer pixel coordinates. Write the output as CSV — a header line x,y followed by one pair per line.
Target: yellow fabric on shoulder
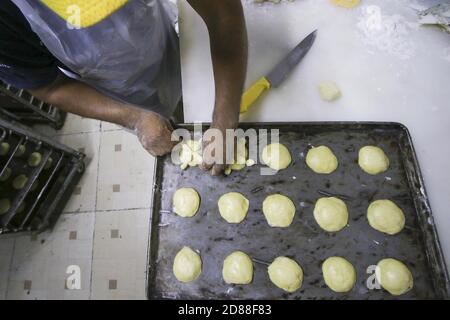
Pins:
x,y
84,13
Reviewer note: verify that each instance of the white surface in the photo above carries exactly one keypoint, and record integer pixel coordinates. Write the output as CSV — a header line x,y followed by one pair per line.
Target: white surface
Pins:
x,y
388,68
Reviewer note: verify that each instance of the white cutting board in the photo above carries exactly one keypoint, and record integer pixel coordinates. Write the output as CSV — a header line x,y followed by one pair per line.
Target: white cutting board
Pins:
x,y
388,68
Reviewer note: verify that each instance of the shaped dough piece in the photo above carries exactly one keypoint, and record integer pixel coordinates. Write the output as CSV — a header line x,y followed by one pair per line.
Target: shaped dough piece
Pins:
x,y
279,210
48,164
373,160
34,159
20,151
329,91
321,160
348,4
286,274
394,276
19,182
331,214
339,274
276,156
187,265
4,148
233,207
186,202
6,174
386,216
237,268
5,205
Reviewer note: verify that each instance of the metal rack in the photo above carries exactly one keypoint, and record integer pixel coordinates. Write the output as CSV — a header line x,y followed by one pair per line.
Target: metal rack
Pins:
x,y
20,105
34,201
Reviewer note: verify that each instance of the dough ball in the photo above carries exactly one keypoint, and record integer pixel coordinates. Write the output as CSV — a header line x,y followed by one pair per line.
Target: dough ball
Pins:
x,y
329,91
331,214
279,210
276,156
321,160
186,202
394,276
48,164
20,151
346,3
373,160
4,148
6,175
237,268
34,159
19,182
386,216
233,207
187,265
5,205
339,274
286,274
190,154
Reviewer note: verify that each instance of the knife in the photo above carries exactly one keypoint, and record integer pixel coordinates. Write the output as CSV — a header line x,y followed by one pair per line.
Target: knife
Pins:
x,y
279,73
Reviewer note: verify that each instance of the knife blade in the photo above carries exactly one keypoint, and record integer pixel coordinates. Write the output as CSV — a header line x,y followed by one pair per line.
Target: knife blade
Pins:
x,y
278,74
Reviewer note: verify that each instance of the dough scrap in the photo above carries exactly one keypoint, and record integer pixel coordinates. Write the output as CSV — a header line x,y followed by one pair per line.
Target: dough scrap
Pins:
x,y
386,216
331,214
5,205
187,265
321,160
240,157
276,156
348,4
190,154
237,268
4,148
373,160
34,159
186,202
286,274
279,210
339,274
19,182
394,276
233,207
329,91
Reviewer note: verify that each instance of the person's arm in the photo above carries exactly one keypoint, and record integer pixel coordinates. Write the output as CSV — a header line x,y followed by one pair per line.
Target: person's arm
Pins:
x,y
76,97
228,39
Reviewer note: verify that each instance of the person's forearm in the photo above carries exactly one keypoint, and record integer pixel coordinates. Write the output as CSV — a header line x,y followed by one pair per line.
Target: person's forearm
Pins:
x,y
78,98
228,39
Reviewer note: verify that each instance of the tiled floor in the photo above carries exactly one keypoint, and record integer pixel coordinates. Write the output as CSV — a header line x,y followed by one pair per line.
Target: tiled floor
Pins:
x,y
98,249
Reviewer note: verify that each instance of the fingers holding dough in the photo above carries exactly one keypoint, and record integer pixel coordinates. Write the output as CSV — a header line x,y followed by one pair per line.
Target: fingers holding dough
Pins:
x,y
233,207
286,274
394,276
385,216
187,265
279,210
339,274
186,202
321,160
331,214
237,268
276,156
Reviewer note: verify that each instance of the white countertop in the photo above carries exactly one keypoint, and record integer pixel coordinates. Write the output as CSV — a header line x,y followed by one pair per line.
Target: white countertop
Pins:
x,y
388,67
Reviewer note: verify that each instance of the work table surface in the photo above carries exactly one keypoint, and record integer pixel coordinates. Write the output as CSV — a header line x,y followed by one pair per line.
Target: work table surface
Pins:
x,y
388,67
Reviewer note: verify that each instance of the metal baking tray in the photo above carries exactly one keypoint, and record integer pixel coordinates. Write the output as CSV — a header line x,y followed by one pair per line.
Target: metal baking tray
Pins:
x,y
417,245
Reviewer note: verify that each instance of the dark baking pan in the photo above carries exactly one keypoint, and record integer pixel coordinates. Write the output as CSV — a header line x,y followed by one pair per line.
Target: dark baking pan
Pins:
x,y
417,245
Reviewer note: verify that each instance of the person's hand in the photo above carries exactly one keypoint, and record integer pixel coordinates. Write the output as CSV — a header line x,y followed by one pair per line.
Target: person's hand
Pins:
x,y
154,133
209,163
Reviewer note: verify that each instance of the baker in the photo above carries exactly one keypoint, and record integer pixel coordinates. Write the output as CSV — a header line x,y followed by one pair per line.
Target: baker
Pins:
x,y
118,60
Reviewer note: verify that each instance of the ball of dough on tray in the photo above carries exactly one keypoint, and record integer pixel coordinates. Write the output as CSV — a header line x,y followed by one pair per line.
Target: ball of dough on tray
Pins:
x,y
237,268
373,160
321,160
34,159
186,202
276,156
386,216
279,210
6,175
48,164
329,91
5,205
331,214
187,265
286,274
20,151
394,276
4,148
339,274
233,207
19,182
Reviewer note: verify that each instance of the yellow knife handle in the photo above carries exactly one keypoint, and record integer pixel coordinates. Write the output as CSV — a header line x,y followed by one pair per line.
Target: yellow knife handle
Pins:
x,y
253,93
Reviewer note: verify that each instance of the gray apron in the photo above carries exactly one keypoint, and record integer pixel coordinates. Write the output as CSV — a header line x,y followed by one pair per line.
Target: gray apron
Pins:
x,y
132,55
